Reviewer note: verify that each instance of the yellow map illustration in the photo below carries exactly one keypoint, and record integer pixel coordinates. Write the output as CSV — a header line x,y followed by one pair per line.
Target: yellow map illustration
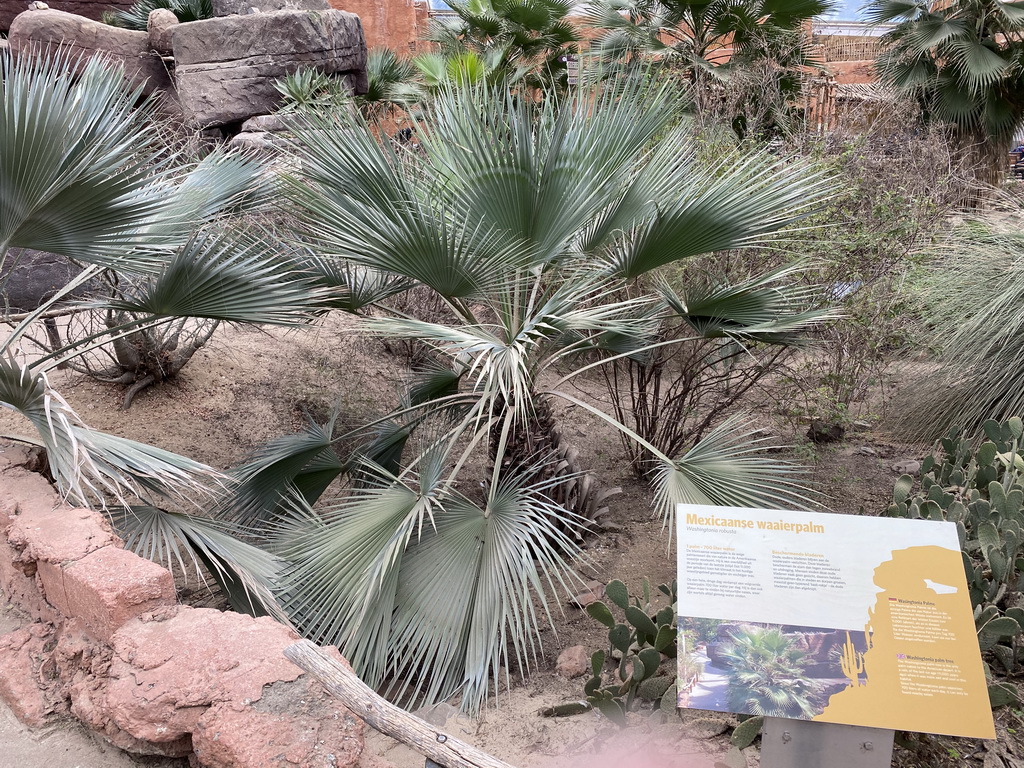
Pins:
x,y
921,665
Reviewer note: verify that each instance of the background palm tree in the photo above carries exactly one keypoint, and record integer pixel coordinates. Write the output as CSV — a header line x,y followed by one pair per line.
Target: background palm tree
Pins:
x,y
530,223
979,271
524,40
964,61
755,46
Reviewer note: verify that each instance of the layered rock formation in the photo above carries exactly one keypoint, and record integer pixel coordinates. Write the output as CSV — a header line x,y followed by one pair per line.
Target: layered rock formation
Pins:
x,y
217,71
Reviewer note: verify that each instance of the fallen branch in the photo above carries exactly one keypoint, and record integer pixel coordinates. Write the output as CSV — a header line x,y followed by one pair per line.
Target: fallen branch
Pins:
x,y
342,683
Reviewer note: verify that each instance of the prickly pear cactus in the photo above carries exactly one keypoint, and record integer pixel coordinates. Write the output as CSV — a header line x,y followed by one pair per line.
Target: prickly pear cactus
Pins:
x,y
638,645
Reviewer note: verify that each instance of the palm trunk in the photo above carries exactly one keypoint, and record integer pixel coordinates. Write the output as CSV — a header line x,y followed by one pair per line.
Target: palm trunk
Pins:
x,y
537,450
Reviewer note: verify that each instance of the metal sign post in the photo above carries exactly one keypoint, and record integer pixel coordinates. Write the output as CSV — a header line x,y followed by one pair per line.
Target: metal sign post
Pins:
x,y
807,744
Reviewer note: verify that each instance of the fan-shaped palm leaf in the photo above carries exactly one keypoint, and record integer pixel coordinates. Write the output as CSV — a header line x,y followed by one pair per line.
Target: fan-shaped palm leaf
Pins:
x,y
87,465
77,159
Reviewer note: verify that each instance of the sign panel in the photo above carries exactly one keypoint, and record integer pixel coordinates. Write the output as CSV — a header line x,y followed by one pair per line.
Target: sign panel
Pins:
x,y
835,618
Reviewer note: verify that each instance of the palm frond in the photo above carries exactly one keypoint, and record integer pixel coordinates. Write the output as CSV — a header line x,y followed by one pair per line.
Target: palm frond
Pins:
x,y
718,209
763,308
445,607
89,466
77,159
304,463
245,573
228,276
729,468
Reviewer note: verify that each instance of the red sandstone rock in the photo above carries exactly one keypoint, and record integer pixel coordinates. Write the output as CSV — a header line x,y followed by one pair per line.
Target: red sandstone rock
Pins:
x,y
24,686
573,662
293,724
193,676
60,534
24,491
110,586
19,589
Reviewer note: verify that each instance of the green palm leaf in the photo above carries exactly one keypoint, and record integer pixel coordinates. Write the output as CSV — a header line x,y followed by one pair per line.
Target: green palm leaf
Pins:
x,y
728,468
227,277
88,465
245,573
77,159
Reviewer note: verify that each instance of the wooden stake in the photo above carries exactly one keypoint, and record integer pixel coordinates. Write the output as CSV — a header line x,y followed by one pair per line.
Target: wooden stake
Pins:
x,y
342,683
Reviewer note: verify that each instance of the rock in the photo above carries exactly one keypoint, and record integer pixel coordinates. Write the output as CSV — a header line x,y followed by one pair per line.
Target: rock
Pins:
x,y
35,276
907,467
20,689
183,678
110,586
591,595
258,141
704,727
437,714
293,724
245,7
159,25
822,432
91,9
226,67
277,123
573,662
47,32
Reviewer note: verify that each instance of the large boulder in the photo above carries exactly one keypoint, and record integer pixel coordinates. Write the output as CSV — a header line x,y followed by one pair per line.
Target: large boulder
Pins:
x,y
49,31
91,9
226,67
28,278
242,7
195,680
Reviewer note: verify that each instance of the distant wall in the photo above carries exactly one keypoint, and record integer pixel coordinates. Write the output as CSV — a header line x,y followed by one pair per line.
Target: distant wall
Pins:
x,y
395,24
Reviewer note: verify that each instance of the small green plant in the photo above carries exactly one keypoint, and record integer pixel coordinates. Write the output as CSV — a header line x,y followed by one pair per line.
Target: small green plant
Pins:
x,y
981,490
640,643
309,90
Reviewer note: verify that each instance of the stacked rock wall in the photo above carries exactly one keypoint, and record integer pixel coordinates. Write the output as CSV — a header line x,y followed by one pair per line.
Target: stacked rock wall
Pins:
x,y
108,643
219,71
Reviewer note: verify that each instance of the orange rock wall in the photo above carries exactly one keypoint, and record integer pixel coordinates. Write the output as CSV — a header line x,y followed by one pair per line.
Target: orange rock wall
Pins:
x,y
395,24
108,643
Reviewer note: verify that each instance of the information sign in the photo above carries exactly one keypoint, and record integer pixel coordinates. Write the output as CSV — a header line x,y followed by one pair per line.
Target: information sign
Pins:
x,y
834,618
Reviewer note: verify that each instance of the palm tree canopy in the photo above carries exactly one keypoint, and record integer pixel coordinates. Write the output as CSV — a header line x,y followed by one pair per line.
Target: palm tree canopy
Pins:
x,y
695,34
963,59
532,224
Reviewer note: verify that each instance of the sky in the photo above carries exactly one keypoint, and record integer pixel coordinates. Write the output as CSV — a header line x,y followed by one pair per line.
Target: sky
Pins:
x,y
846,10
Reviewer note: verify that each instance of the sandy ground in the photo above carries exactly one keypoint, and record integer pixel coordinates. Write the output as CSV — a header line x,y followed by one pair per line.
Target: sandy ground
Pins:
x,y
249,386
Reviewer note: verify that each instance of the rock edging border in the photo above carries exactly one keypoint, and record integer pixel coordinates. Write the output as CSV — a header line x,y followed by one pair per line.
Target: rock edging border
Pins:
x,y
109,645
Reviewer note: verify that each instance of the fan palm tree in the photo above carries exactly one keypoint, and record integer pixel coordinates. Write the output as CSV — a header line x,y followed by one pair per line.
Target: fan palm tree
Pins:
x,y
971,295
766,676
706,43
526,40
83,174
964,61
531,223
696,36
